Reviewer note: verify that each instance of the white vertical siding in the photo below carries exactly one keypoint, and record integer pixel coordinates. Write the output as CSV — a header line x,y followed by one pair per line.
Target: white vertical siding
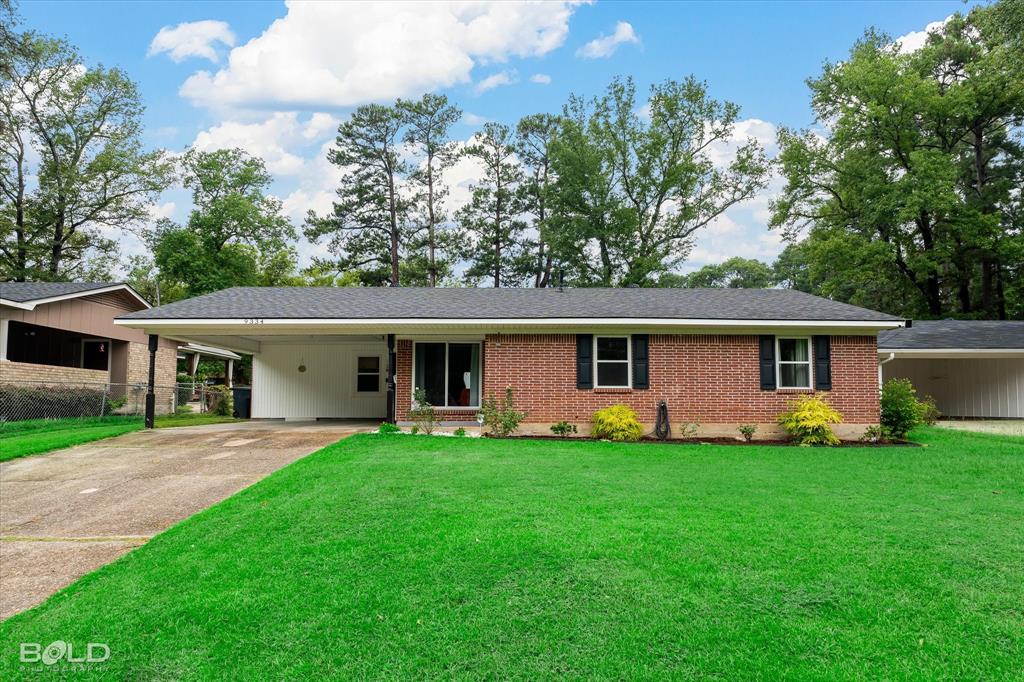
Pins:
x,y
327,389
966,388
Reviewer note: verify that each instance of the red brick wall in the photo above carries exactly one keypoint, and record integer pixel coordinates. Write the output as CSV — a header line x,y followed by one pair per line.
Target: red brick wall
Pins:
x,y
710,379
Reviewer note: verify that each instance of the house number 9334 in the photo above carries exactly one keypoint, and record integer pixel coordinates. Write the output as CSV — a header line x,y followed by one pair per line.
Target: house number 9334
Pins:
x,y
253,320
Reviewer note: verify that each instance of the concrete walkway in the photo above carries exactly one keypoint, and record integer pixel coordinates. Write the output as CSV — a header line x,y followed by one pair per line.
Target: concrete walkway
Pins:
x,y
69,512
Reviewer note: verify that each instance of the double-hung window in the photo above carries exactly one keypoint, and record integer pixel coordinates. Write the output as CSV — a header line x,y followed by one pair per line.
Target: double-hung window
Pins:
x,y
612,361
368,374
448,373
793,362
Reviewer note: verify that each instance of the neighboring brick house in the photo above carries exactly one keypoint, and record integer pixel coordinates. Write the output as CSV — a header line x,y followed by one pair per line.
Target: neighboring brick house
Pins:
x,y
64,332
719,358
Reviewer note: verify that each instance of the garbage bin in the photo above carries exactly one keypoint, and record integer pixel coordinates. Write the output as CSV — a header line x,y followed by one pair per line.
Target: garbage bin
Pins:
x,y
243,401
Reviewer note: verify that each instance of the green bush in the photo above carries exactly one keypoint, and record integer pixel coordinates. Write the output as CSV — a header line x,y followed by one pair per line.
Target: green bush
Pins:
x,y
808,421
564,429
220,401
459,432
617,423
388,427
748,431
48,402
502,419
902,410
422,412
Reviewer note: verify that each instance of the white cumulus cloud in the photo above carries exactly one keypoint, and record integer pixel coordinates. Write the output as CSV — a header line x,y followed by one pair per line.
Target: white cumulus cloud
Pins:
x,y
274,139
192,39
605,45
495,80
915,40
541,78
325,54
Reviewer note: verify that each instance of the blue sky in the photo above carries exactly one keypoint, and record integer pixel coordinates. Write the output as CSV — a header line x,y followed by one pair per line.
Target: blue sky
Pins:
x,y
225,74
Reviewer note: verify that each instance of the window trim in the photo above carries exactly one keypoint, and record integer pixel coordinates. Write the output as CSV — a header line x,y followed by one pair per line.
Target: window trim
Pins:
x,y
779,362
378,373
480,369
628,361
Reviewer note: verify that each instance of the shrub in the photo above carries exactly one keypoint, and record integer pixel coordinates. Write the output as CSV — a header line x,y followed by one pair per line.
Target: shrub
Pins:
x,y
689,429
220,401
388,427
564,429
501,418
874,434
422,412
414,429
901,409
748,431
51,402
617,423
459,432
929,410
808,421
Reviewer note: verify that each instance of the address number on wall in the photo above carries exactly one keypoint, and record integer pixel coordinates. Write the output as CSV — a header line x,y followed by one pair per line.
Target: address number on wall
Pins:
x,y
253,320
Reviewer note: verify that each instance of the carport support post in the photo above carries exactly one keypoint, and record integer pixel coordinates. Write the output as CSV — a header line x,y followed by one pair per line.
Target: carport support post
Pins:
x,y
391,378
150,387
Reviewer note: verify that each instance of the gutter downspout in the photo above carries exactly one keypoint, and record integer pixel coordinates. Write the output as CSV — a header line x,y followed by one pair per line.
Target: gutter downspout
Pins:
x,y
892,356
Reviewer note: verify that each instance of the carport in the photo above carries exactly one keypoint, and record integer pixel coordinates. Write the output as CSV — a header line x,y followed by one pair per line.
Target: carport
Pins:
x,y
972,369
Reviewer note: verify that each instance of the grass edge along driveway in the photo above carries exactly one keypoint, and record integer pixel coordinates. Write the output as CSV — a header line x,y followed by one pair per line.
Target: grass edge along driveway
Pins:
x,y
39,436
412,556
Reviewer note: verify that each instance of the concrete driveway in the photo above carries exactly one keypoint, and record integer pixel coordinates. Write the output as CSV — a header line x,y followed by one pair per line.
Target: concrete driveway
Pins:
x,y
69,512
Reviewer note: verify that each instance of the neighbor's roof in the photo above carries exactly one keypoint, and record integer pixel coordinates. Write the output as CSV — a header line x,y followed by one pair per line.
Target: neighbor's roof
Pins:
x,y
29,294
398,303
949,334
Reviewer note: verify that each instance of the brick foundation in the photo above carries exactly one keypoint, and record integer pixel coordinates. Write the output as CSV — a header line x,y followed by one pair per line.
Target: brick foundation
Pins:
x,y
710,379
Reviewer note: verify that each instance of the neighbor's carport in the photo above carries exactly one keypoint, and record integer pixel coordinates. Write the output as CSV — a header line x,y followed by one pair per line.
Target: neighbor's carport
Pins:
x,y
971,368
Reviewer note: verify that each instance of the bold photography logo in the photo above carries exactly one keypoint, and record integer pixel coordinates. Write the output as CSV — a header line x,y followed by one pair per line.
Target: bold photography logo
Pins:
x,y
34,652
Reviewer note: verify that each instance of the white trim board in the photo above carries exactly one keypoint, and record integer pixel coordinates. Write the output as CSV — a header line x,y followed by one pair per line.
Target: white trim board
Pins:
x,y
31,305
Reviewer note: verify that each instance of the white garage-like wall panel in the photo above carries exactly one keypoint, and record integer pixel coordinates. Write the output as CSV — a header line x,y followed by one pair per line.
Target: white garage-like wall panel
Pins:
x,y
966,388
327,387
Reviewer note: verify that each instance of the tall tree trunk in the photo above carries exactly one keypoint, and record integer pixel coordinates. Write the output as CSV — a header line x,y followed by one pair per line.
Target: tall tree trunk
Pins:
x,y
394,228
430,219
497,229
57,247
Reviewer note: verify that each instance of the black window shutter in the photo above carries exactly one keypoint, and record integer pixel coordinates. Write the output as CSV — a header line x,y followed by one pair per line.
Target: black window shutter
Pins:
x,y
767,362
584,361
822,363
641,362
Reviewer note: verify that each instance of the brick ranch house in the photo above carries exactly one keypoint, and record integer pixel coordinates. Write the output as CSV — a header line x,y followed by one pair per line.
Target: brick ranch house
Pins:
x,y
64,332
720,357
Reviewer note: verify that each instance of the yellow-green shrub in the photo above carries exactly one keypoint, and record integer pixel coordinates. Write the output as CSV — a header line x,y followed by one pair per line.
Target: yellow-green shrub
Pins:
x,y
617,422
808,421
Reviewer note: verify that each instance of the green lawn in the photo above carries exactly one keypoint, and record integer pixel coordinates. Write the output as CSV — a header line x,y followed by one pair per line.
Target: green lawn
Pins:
x,y
36,436
411,556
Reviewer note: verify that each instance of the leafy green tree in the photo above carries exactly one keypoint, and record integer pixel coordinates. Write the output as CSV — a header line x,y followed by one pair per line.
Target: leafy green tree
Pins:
x,y
499,249
236,235
91,172
921,168
735,273
635,188
535,135
367,229
428,123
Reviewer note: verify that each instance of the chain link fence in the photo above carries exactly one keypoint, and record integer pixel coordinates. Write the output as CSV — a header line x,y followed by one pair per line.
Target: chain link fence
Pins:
x,y
67,400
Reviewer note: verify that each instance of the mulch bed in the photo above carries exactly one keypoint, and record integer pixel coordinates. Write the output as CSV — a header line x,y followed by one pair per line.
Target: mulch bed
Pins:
x,y
734,441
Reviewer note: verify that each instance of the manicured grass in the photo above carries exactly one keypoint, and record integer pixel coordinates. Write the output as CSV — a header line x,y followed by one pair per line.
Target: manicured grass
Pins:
x,y
36,436
410,556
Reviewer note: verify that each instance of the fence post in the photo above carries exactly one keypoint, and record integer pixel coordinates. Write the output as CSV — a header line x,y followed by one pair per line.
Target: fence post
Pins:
x,y
150,388
103,400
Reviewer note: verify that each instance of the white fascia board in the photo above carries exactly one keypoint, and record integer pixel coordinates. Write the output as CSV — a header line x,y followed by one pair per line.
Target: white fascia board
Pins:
x,y
951,352
254,325
31,305
17,304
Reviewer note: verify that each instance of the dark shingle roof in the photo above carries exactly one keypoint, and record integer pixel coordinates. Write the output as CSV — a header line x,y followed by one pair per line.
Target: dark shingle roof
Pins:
x,y
954,334
485,303
24,292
